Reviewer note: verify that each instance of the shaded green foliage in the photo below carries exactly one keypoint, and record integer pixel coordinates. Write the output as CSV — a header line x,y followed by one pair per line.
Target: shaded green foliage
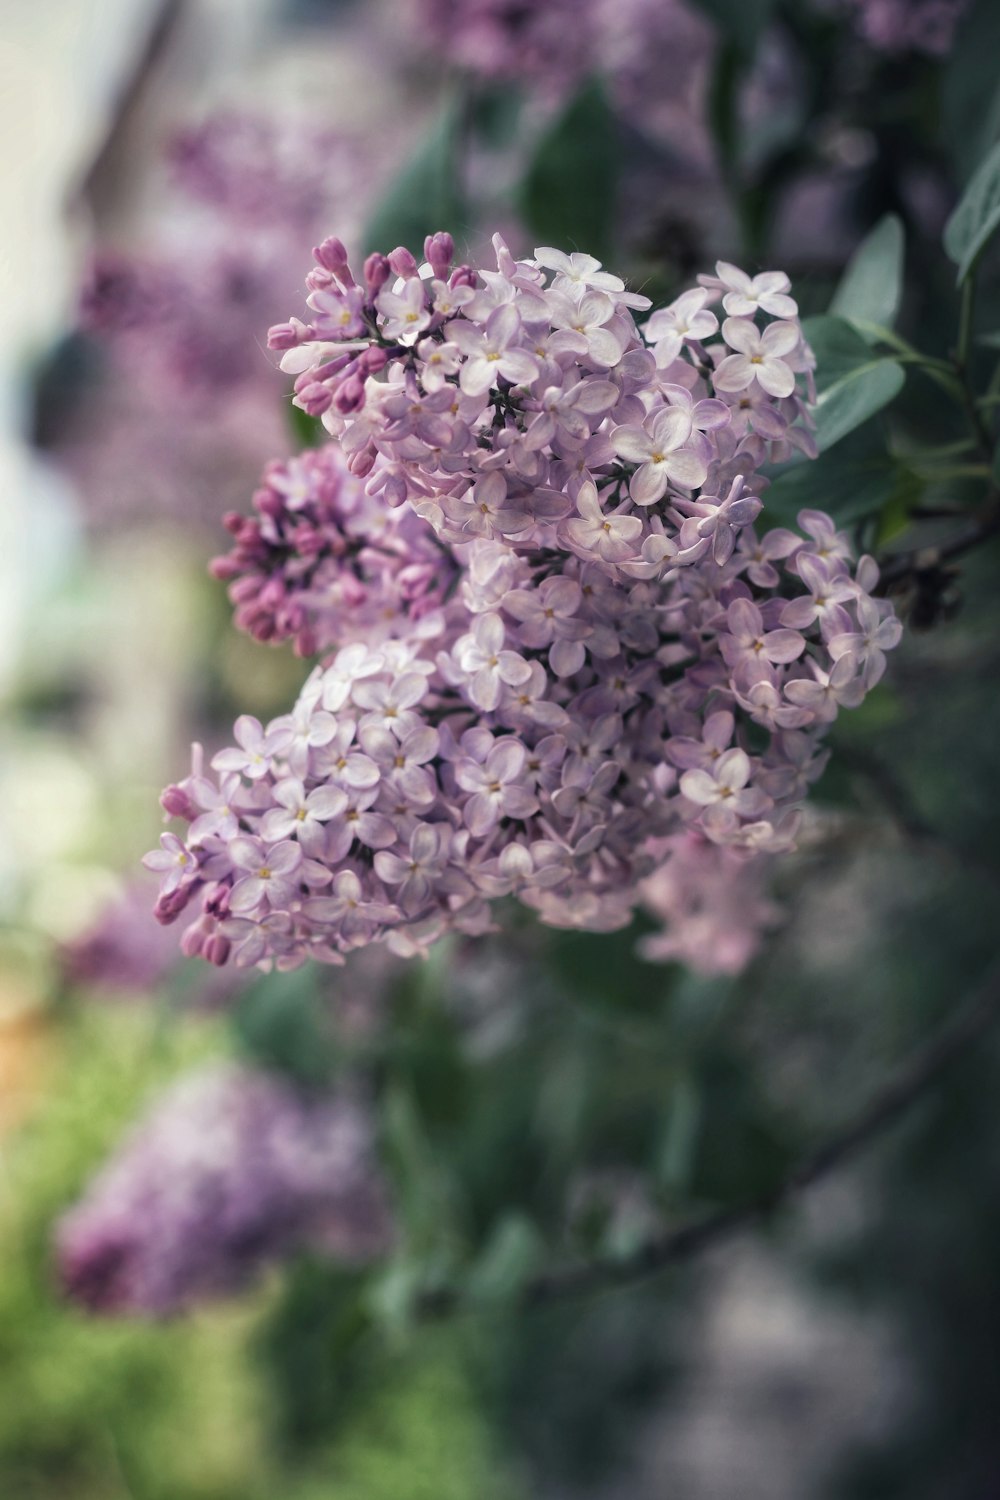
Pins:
x,y
568,193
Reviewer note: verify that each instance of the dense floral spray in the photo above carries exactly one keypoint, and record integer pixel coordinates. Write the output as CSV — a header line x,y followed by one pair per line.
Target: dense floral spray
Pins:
x,y
554,653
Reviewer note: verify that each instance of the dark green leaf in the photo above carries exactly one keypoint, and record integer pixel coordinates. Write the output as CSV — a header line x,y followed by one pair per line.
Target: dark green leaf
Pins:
x,y
307,431
425,197
851,382
680,1135
996,463
495,115
857,479
568,194
871,286
723,107
309,1342
971,89
422,1190
284,1022
742,1149
977,217
514,1252
742,21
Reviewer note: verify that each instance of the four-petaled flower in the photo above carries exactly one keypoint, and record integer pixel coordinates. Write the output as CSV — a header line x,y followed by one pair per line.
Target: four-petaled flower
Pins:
x,y
759,357
172,862
660,448
266,871
496,786
493,354
671,327
484,659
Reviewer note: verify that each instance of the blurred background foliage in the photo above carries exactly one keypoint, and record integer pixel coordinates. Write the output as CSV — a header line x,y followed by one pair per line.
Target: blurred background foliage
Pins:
x,y
544,1095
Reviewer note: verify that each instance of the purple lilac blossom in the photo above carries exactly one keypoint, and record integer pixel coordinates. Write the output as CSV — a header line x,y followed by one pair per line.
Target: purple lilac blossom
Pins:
x,y
178,321
655,54
712,902
907,25
123,949
322,559
259,169
617,659
550,44
234,1169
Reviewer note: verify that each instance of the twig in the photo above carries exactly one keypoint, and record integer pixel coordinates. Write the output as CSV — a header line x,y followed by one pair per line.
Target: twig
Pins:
x,y
926,559
888,1105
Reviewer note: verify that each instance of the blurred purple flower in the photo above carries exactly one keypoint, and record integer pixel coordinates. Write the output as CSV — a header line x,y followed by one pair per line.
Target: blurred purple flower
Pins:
x,y
907,25
125,948
233,1170
713,904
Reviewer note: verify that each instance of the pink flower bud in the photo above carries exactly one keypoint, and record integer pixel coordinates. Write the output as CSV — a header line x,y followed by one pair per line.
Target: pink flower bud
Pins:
x,y
377,272
332,256
314,399
439,249
289,335
350,395
177,804
216,950
374,359
216,902
403,261
169,907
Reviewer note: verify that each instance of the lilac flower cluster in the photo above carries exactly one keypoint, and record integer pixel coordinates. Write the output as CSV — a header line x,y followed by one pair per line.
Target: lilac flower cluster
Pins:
x,y
322,559
620,656
908,25
553,46
123,949
713,903
233,1170
178,319
262,169
509,39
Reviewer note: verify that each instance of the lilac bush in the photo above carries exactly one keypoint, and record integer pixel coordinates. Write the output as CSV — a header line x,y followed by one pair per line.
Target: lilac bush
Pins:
x,y
551,640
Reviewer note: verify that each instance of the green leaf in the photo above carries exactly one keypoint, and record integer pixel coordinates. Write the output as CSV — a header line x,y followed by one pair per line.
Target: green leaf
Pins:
x,y
858,478
743,1148
680,1134
872,284
977,217
742,21
426,195
970,103
496,114
307,431
996,463
723,107
851,382
423,1191
568,194
283,1022
514,1252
